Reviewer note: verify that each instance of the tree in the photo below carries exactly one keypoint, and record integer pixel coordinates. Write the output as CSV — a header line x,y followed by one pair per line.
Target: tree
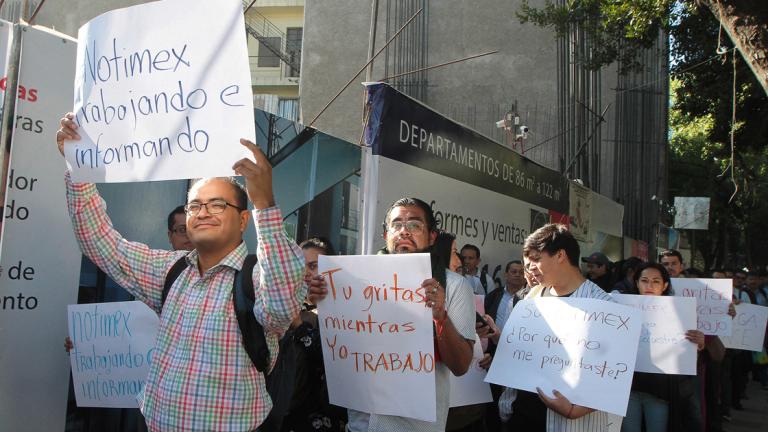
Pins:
x,y
620,28
702,160
705,164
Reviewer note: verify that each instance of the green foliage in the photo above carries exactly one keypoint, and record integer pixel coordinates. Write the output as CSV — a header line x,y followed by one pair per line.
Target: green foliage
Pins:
x,y
617,29
701,109
700,121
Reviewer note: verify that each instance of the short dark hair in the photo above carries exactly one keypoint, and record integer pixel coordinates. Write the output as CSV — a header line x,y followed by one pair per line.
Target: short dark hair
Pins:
x,y
693,272
471,247
671,253
321,243
716,270
429,215
440,255
241,195
551,238
172,216
631,263
661,269
506,269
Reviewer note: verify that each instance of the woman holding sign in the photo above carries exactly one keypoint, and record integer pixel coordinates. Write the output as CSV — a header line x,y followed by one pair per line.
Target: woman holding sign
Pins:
x,y
652,394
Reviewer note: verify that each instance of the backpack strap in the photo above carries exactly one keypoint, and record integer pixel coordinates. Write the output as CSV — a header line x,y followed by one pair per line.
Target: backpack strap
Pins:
x,y
484,279
171,277
252,332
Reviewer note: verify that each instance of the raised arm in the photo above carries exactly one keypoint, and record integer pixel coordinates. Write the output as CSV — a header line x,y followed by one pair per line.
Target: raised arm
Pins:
x,y
134,266
454,322
279,284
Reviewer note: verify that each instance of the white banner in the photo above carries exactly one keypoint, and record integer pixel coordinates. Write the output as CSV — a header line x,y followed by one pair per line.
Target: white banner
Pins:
x,y
377,334
471,388
40,258
584,348
748,328
168,101
581,213
663,347
113,346
713,296
692,213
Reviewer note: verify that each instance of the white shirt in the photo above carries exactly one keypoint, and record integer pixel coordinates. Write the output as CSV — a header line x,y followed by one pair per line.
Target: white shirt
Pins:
x,y
477,285
596,421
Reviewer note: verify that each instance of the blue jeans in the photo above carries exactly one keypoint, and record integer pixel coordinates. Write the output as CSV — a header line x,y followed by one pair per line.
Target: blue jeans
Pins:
x,y
641,406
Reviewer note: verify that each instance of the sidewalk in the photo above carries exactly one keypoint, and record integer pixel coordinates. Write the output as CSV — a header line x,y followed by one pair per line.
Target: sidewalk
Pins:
x,y
755,415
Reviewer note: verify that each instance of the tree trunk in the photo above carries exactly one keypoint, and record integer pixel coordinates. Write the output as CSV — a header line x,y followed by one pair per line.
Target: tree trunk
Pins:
x,y
746,22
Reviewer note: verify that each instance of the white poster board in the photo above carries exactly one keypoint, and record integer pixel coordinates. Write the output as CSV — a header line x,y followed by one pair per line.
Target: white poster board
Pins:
x,y
376,334
663,347
170,101
113,346
581,212
713,296
748,328
471,388
40,258
584,348
692,213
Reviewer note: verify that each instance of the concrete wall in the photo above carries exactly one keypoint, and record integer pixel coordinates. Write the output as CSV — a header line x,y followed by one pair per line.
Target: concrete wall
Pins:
x,y
336,43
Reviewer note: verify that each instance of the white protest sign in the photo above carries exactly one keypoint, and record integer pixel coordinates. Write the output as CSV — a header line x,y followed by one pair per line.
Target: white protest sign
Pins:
x,y
713,297
165,100
748,328
377,334
471,388
584,348
663,347
113,346
40,256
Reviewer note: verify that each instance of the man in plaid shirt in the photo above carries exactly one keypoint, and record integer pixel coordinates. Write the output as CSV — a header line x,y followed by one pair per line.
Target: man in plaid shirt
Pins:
x,y
201,378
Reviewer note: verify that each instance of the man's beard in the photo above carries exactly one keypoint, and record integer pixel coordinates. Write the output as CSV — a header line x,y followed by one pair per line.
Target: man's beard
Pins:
x,y
424,250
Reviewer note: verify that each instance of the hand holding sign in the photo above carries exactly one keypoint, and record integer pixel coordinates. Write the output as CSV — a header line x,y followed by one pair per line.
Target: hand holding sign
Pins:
x,y
258,176
435,296
67,131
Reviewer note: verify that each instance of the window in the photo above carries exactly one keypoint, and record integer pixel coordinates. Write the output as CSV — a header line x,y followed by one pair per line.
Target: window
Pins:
x,y
288,108
293,47
267,56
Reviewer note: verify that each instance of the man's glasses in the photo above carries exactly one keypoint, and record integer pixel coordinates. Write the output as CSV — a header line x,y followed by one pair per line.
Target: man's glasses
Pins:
x,y
213,207
412,226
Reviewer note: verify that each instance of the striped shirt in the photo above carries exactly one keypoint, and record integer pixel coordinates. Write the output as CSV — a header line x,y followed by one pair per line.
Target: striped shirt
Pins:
x,y
596,421
200,378
460,304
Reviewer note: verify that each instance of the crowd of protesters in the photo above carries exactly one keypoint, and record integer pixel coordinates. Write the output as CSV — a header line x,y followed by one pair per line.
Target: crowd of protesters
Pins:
x,y
202,377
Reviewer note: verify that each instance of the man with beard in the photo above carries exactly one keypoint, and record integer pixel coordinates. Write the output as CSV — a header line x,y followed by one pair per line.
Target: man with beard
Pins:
x,y
409,227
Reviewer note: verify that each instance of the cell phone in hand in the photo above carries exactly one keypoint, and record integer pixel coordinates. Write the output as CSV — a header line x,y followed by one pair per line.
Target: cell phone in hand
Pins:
x,y
479,319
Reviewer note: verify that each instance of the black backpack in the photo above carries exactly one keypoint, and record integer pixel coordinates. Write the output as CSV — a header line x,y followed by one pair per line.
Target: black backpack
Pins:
x,y
280,381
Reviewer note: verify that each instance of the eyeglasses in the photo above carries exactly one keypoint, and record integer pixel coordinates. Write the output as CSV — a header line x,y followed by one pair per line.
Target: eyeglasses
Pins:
x,y
181,229
213,207
411,226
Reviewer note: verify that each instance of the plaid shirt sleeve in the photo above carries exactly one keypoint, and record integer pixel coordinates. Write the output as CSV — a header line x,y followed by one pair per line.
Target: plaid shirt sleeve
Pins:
x,y
134,266
279,283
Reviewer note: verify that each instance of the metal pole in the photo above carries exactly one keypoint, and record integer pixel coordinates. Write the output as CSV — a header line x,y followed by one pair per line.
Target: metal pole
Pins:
x,y
362,69
372,38
9,105
249,7
34,14
439,65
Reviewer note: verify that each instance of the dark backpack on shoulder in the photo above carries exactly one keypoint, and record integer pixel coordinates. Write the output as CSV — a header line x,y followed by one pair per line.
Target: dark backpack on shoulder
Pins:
x,y
280,381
